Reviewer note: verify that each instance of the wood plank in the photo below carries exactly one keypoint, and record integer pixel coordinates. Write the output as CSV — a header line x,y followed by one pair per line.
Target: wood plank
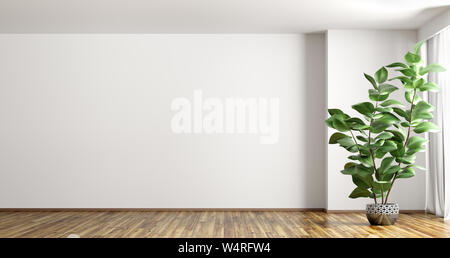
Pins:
x,y
104,224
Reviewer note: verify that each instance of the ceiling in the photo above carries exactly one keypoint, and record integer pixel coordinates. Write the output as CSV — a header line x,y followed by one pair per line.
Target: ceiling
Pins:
x,y
213,16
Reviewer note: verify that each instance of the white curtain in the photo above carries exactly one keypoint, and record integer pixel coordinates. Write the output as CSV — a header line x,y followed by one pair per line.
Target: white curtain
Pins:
x,y
438,160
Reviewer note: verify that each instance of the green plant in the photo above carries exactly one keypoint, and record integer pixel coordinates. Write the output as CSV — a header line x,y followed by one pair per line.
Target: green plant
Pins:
x,y
383,148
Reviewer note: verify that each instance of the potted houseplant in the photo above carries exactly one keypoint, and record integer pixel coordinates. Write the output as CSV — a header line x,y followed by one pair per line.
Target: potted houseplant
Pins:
x,y
383,144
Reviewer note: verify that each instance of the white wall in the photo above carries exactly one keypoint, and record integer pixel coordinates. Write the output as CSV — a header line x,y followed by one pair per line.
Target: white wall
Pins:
x,y
85,121
350,53
435,25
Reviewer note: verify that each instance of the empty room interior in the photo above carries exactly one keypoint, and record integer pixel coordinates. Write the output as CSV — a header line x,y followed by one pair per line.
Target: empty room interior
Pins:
x,y
224,119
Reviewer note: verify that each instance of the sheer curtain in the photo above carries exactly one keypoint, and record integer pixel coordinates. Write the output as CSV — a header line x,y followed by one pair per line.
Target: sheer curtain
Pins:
x,y
438,174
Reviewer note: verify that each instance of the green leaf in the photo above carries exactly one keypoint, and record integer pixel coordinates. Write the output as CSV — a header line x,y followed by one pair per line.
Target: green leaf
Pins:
x,y
386,177
403,79
422,111
412,58
402,131
405,124
381,75
363,181
346,142
419,167
409,97
377,96
356,170
364,149
384,136
378,127
378,143
371,80
415,123
392,170
418,83
388,118
364,159
375,195
431,68
355,120
329,123
376,116
409,86
406,173
398,64
418,46
361,138
365,108
398,136
337,122
356,123
387,88
384,109
388,146
415,142
411,152
401,113
392,102
359,192
385,164
334,111
426,127
352,149
349,165
335,137
407,159
354,157
379,154
408,72
382,186
429,86
399,151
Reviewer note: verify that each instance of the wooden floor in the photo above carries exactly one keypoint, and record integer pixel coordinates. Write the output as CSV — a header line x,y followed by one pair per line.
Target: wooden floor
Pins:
x,y
213,224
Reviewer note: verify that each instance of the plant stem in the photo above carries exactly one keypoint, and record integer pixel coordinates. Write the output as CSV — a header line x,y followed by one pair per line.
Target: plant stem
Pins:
x,y
354,139
371,155
374,167
392,183
410,117
356,142
404,146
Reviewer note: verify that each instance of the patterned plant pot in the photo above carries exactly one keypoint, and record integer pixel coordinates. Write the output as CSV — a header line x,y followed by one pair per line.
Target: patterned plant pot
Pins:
x,y
382,214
